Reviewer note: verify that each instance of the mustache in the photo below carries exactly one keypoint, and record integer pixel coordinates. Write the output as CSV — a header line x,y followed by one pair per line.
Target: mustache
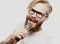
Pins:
x,y
32,19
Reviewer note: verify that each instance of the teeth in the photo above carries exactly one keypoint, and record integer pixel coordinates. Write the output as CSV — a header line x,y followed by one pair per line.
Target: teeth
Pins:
x,y
30,22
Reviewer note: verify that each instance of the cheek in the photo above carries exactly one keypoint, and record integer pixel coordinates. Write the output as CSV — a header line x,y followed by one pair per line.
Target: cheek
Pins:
x,y
28,16
38,19
26,19
39,22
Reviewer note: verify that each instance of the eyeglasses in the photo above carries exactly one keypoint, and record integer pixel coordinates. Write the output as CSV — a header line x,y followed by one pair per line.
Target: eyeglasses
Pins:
x,y
38,14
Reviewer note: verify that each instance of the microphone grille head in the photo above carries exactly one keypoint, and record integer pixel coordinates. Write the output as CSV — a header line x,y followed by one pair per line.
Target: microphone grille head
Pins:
x,y
28,26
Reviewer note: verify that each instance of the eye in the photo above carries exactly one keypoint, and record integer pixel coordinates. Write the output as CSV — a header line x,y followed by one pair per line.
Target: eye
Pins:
x,y
46,15
43,14
39,15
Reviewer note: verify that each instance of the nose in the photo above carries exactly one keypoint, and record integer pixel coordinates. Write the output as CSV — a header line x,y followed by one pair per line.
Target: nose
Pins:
x,y
34,15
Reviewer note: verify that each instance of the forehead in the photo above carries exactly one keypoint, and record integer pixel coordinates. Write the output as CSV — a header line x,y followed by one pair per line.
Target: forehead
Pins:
x,y
40,7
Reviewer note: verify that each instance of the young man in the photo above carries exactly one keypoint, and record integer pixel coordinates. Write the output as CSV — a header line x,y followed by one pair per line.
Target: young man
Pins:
x,y
38,12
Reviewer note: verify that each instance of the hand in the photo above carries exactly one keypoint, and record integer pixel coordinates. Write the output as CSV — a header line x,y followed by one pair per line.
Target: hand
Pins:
x,y
19,36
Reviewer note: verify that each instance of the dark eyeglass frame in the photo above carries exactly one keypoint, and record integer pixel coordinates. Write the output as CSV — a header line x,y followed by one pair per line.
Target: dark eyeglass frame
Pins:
x,y
37,12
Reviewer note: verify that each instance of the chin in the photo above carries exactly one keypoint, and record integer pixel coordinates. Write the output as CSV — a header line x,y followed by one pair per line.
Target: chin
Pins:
x,y
32,23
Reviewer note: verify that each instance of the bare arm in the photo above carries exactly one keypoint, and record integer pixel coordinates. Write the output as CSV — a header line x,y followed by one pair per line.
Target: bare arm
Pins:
x,y
16,36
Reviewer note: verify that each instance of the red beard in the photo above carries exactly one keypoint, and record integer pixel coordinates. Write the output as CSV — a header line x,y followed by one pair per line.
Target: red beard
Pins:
x,y
37,26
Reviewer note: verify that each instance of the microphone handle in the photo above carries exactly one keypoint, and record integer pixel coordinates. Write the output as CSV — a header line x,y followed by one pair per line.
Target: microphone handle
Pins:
x,y
27,28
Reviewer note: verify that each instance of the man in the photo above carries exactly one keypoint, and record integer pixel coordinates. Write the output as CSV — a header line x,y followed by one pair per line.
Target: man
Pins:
x,y
38,12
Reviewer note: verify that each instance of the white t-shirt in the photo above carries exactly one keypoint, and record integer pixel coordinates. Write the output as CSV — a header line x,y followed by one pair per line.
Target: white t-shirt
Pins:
x,y
40,37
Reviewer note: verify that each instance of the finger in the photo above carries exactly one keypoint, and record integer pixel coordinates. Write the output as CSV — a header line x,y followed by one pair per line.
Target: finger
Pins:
x,y
22,34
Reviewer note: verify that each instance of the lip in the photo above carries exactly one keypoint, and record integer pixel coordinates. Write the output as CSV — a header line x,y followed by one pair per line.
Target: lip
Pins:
x,y
32,20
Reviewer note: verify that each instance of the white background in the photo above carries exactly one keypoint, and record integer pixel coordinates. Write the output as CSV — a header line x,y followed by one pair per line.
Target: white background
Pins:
x,y
13,12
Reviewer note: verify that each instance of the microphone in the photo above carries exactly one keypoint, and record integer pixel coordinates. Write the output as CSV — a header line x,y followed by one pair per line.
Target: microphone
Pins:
x,y
13,40
27,28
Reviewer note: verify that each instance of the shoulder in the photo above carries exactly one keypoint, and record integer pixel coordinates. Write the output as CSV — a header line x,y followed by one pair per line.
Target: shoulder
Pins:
x,y
43,37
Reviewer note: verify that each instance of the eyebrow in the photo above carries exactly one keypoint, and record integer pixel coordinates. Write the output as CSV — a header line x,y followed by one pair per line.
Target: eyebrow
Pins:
x,y
36,11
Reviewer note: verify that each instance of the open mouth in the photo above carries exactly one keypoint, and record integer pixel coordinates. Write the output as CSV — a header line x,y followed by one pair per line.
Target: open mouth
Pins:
x,y
33,20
